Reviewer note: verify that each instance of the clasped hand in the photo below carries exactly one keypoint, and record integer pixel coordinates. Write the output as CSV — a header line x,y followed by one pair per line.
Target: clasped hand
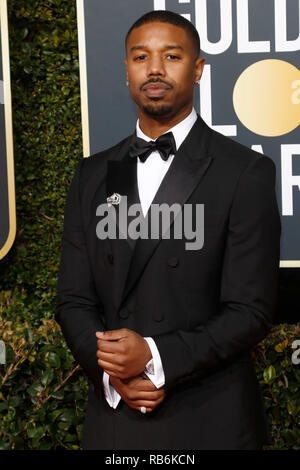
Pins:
x,y
123,354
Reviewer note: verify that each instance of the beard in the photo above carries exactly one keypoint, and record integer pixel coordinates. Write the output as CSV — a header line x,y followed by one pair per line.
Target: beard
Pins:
x,y
162,110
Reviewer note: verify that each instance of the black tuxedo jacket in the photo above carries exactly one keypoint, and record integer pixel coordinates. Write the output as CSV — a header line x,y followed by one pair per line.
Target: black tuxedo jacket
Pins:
x,y
204,308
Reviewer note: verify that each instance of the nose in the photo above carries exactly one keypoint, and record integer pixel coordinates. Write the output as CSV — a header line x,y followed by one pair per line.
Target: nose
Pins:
x,y
156,66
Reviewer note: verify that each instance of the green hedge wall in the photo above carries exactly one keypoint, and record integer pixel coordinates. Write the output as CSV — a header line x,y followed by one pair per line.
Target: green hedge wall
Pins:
x,y
43,391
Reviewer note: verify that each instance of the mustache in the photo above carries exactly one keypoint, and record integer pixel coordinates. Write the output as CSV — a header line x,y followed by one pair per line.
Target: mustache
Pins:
x,y
156,80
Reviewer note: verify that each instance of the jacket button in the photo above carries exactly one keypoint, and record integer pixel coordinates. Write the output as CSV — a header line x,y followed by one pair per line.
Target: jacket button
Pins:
x,y
173,262
124,313
110,259
157,316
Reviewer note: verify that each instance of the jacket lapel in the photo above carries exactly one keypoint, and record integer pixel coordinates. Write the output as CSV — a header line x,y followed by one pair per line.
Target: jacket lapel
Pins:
x,y
188,167
122,179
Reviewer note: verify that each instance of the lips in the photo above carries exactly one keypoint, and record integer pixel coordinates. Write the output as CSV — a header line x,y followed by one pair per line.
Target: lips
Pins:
x,y
156,90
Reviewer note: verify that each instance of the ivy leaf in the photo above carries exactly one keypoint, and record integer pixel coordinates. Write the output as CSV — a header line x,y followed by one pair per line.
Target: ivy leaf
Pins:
x,y
35,388
292,408
53,359
47,377
270,374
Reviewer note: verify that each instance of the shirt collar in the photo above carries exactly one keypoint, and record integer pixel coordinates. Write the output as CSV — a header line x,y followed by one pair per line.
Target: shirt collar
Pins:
x,y
180,131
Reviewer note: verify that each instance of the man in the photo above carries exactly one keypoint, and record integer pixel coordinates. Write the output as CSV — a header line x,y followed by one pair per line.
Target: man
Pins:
x,y
163,332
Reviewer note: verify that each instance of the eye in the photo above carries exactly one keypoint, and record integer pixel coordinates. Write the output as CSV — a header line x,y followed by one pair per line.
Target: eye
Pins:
x,y
173,57
140,57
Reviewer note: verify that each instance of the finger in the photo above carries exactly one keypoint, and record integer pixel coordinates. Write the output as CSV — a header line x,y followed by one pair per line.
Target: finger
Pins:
x,y
138,408
160,400
148,396
151,404
109,367
147,403
112,335
115,359
145,385
109,346
108,357
135,396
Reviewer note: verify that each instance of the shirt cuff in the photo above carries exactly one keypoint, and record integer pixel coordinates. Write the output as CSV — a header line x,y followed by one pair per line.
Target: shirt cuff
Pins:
x,y
158,377
111,395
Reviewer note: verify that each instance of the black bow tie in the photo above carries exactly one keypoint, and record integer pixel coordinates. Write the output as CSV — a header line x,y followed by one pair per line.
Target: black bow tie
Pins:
x,y
165,145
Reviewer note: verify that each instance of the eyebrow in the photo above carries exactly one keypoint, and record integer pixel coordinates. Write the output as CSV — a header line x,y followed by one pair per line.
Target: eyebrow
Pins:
x,y
167,47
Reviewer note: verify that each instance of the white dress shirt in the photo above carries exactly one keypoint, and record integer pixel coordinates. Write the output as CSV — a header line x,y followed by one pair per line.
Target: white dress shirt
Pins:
x,y
149,177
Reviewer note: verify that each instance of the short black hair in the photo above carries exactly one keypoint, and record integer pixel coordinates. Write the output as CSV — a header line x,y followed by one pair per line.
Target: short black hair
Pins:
x,y
166,16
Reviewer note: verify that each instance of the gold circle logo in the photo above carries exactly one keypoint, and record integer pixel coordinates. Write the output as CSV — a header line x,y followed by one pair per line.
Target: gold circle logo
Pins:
x,y
266,97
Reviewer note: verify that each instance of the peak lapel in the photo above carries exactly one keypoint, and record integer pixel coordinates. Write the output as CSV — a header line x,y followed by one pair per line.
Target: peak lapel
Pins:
x,y
188,167
122,179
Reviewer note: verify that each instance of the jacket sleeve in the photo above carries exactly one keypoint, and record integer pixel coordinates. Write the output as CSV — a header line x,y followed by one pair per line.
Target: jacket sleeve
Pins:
x,y
248,290
78,308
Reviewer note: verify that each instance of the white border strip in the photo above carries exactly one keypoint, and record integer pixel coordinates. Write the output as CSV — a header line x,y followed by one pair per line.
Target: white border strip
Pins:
x,y
83,78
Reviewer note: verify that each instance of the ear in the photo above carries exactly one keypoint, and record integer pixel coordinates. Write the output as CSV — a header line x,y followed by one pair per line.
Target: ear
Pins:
x,y
199,67
126,65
